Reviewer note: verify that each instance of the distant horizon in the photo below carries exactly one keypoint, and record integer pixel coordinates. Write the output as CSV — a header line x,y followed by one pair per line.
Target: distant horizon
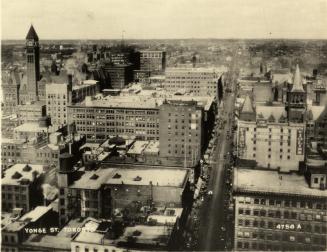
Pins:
x,y
165,19
142,39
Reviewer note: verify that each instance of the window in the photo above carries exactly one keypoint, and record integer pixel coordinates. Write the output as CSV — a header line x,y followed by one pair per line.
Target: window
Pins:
x,y
240,211
263,202
240,222
278,214
271,202
256,201
262,224
315,180
262,212
247,211
255,223
256,212
77,248
247,223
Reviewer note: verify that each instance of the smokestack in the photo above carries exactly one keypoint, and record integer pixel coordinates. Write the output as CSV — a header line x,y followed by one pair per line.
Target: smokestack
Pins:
x,y
70,148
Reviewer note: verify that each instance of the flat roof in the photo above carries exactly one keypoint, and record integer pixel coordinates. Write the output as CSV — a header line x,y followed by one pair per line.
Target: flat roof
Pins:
x,y
194,70
152,147
158,176
36,213
136,97
147,234
15,226
169,216
269,181
20,173
30,127
84,85
138,147
12,141
48,241
93,180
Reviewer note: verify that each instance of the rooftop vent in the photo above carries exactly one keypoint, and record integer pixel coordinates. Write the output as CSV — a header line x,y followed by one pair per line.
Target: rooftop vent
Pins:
x,y
94,177
116,176
27,168
24,181
16,175
137,178
137,233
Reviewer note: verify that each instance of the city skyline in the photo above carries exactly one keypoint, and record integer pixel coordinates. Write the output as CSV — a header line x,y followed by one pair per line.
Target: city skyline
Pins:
x,y
166,20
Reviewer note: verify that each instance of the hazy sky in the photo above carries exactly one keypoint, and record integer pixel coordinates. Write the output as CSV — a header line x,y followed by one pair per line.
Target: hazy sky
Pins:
x,y
145,19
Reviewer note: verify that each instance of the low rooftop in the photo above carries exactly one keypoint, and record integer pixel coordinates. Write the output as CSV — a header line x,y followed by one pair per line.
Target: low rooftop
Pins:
x,y
131,175
20,173
251,180
36,213
30,127
136,97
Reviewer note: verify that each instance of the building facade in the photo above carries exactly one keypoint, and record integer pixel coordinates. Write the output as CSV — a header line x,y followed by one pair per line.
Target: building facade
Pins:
x,y
199,81
59,96
120,75
154,61
20,187
283,215
181,131
10,85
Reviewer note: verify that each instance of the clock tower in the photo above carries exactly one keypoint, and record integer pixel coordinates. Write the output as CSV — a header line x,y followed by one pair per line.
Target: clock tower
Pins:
x,y
32,64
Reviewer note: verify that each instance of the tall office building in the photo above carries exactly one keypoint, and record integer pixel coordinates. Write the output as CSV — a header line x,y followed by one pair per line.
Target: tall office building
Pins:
x,y
154,61
181,131
199,81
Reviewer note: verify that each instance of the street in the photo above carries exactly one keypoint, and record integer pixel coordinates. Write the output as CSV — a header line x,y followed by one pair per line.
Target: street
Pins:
x,y
212,230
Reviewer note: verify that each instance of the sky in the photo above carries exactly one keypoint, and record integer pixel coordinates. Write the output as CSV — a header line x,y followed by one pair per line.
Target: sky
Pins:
x,y
164,19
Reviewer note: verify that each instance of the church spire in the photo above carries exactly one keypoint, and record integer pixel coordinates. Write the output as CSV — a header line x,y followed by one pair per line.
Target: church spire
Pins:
x,y
297,81
32,34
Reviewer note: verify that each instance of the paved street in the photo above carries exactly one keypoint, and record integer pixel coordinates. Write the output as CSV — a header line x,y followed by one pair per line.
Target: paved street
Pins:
x,y
212,211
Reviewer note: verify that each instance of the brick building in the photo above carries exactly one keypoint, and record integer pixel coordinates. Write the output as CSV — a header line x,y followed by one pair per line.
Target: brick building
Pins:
x,y
199,81
10,84
132,114
181,131
154,61
284,214
120,75
96,193
21,187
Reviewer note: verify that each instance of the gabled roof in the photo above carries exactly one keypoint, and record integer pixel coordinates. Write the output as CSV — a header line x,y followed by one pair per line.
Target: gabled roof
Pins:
x,y
297,81
32,34
271,118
